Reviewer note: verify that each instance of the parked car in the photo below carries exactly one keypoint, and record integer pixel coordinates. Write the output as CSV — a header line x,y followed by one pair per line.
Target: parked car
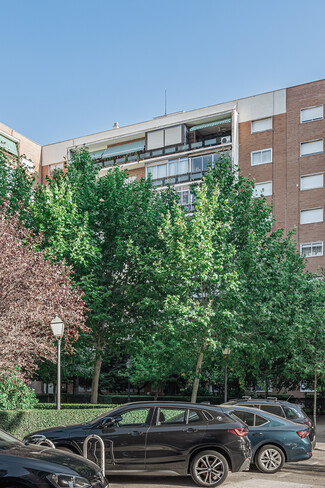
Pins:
x,y
274,440
282,408
186,438
43,467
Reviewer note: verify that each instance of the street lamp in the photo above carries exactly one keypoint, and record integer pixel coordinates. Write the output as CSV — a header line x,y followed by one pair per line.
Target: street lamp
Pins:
x,y
226,353
57,327
128,365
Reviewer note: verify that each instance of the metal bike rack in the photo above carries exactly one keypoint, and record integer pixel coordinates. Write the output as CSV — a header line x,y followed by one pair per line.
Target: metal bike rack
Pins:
x,y
45,442
102,450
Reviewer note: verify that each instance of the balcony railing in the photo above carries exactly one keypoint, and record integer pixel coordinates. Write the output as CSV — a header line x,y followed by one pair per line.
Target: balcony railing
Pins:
x,y
165,151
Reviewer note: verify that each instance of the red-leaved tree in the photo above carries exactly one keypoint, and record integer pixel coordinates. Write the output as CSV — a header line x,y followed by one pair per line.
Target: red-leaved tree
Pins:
x,y
32,292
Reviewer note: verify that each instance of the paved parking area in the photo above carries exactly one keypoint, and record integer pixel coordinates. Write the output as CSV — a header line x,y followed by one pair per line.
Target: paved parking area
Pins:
x,y
306,474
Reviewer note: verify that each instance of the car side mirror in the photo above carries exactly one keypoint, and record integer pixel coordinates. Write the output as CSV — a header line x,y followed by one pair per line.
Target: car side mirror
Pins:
x,y
107,422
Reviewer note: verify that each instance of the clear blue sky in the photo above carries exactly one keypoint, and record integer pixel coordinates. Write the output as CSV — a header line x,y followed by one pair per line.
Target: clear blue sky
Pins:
x,y
74,67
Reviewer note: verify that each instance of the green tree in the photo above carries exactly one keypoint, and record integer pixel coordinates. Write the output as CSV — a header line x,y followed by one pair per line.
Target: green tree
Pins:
x,y
88,221
16,185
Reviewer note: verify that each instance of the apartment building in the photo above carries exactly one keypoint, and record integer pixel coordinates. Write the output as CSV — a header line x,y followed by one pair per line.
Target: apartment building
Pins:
x,y
277,138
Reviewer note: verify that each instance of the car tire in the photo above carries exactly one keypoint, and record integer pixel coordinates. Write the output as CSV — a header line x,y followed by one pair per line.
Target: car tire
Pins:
x,y
269,459
209,468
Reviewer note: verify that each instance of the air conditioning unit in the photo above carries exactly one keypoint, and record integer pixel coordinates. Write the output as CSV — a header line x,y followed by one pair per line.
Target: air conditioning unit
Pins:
x,y
225,139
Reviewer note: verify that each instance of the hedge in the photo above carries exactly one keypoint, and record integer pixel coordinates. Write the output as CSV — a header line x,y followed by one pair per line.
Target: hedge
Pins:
x,y
73,406
84,398
19,423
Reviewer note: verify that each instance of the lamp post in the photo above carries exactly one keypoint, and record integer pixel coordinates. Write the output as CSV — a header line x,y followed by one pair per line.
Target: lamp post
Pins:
x,y
226,353
128,365
57,327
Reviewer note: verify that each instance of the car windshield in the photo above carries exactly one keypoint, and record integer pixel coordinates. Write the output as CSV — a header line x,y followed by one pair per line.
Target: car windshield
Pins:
x,y
7,441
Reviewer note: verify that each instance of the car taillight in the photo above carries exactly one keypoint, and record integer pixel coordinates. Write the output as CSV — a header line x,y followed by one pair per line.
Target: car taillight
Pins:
x,y
309,423
302,433
240,431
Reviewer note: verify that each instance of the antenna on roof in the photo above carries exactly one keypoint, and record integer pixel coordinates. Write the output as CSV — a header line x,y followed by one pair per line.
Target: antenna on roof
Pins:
x,y
165,102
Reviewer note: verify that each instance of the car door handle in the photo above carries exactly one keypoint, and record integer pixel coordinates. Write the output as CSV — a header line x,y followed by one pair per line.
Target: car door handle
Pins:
x,y
190,430
257,434
135,433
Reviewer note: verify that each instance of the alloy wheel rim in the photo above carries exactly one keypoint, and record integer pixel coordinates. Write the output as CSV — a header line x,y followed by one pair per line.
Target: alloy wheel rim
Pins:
x,y
209,469
271,459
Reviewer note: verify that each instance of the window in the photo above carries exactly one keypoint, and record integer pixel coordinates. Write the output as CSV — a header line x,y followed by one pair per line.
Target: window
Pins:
x,y
261,125
309,182
291,414
177,166
28,164
133,417
275,409
263,189
310,114
193,417
165,137
55,167
171,416
184,194
311,147
311,249
261,157
202,163
246,417
260,421
311,216
157,171
8,144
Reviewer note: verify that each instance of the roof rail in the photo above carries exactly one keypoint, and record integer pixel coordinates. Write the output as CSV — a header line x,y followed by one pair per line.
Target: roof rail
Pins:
x,y
206,403
246,397
271,398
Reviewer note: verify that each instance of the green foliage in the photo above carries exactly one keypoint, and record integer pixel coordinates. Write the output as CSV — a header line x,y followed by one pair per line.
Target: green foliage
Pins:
x,y
19,423
14,394
16,185
74,406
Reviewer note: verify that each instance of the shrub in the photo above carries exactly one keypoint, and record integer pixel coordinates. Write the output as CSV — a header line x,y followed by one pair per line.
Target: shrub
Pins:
x,y
21,422
14,393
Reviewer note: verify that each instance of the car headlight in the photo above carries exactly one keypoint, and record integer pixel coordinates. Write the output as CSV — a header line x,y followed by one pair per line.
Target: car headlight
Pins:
x,y
67,481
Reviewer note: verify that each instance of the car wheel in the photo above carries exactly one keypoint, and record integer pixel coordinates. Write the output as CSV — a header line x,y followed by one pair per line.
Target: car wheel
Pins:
x,y
269,459
209,468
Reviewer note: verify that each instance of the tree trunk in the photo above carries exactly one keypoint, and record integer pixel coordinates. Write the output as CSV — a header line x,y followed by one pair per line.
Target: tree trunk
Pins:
x,y
197,379
95,379
315,398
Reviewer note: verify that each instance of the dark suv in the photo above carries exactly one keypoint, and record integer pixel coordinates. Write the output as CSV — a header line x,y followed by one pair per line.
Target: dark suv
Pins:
x,y
282,408
187,438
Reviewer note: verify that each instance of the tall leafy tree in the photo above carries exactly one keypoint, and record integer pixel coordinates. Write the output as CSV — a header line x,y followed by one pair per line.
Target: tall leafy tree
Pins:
x,y
88,221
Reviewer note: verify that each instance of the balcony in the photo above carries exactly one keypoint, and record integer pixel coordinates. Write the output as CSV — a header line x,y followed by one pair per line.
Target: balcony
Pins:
x,y
210,140
182,170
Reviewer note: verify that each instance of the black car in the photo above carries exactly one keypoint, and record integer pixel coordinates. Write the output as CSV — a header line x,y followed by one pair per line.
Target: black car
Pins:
x,y
186,438
282,408
43,467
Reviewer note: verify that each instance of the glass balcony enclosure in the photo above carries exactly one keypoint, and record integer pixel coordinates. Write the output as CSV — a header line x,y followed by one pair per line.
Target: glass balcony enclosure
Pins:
x,y
167,141
182,169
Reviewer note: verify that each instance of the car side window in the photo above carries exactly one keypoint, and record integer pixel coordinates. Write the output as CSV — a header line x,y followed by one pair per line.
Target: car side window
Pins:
x,y
136,416
194,417
246,417
291,413
260,420
168,416
275,409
